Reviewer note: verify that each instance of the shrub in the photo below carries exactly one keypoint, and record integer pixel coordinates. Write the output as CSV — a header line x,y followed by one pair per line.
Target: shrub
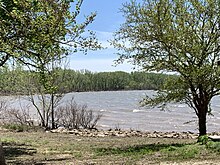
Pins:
x,y
17,119
76,116
16,116
203,139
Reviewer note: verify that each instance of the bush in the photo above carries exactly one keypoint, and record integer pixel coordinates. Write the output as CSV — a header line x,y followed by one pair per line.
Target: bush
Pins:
x,y
76,116
203,139
17,119
16,116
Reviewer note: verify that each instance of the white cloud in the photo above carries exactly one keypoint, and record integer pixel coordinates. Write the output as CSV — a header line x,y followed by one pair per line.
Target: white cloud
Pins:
x,y
99,65
104,37
101,60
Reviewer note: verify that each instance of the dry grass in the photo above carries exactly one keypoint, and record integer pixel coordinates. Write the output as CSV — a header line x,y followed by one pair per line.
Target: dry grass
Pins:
x,y
65,149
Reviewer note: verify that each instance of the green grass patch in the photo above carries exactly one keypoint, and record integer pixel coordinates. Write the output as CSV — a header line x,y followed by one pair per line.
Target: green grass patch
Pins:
x,y
21,127
8,140
136,149
183,153
166,151
213,146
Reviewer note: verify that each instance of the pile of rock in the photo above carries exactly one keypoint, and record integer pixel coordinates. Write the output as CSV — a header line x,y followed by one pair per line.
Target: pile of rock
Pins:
x,y
126,133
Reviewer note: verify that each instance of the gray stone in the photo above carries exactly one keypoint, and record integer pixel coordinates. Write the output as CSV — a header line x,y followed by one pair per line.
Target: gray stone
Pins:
x,y
214,138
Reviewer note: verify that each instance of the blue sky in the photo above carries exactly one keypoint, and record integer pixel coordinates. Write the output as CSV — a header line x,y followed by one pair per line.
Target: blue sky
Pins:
x,y
107,21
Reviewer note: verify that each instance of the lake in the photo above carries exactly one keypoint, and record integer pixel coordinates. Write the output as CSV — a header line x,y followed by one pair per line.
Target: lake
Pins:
x,y
121,109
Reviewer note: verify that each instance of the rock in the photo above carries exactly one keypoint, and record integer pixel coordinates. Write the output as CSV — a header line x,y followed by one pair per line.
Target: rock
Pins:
x,y
101,135
152,135
214,138
168,136
128,133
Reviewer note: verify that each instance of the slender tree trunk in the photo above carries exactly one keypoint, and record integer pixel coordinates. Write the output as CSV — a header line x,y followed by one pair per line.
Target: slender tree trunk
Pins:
x,y
2,158
52,111
43,123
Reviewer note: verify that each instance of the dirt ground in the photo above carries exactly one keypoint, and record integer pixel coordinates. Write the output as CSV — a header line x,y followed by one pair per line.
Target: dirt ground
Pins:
x,y
41,148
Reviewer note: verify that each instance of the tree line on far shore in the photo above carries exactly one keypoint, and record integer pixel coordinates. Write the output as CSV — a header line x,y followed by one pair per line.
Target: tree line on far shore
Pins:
x,y
19,81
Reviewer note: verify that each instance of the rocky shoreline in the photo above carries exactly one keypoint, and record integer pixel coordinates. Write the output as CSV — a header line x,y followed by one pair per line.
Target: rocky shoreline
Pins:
x,y
128,133
122,133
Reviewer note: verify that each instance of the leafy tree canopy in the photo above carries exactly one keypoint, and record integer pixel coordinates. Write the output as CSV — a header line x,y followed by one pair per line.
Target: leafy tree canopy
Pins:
x,y
38,32
35,32
180,36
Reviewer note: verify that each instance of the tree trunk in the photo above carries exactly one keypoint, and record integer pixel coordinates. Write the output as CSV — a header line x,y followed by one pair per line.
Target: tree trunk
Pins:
x,y
202,120
202,125
52,111
2,158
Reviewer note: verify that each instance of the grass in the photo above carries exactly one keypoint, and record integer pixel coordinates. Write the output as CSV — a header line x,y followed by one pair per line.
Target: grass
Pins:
x,y
171,152
185,152
20,127
135,150
48,148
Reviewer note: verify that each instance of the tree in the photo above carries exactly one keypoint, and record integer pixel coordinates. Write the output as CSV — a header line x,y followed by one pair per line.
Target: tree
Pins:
x,y
49,92
31,31
178,36
36,32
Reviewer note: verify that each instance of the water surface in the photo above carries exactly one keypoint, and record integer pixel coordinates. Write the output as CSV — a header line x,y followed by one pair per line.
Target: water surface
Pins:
x,y
121,109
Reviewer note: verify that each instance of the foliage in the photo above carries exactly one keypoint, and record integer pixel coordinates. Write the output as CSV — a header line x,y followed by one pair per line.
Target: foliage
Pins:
x,y
178,36
49,95
203,139
107,81
67,80
12,80
37,32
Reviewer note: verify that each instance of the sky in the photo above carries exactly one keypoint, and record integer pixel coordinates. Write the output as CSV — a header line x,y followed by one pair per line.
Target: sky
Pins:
x,y
107,21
